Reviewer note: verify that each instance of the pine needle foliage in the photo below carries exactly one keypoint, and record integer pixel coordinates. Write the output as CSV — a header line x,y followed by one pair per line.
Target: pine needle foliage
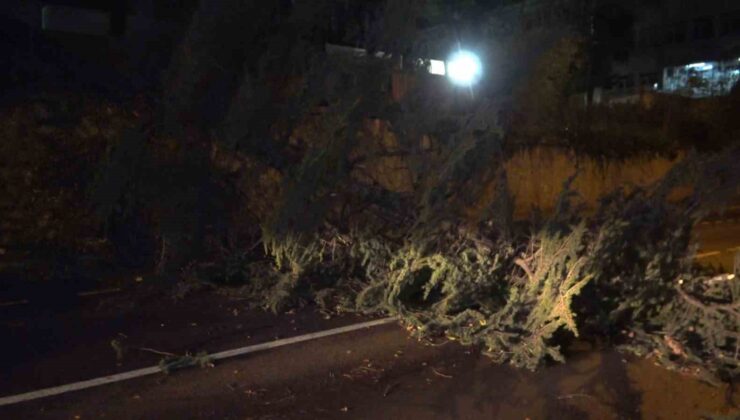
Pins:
x,y
445,255
520,292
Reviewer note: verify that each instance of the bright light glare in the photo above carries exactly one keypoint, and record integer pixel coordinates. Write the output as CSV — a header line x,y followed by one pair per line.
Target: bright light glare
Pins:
x,y
464,68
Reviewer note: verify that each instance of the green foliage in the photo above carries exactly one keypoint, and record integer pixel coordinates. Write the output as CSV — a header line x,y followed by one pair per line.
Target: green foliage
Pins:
x,y
157,200
49,150
657,125
520,292
482,293
447,256
172,363
645,285
696,332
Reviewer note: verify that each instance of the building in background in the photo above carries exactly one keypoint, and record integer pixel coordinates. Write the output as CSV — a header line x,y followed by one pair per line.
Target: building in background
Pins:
x,y
115,46
687,47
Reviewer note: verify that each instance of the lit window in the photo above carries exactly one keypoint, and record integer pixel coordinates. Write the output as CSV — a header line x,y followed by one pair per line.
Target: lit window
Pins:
x,y
700,66
701,79
437,67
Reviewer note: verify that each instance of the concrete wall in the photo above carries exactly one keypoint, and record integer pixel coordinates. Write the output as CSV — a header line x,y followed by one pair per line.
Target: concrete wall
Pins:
x,y
536,176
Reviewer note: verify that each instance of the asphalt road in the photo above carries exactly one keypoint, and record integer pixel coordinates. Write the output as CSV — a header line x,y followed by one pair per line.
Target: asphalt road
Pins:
x,y
381,373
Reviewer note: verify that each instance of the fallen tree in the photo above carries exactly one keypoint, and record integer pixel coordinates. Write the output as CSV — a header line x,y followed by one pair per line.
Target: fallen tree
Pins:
x,y
289,161
520,290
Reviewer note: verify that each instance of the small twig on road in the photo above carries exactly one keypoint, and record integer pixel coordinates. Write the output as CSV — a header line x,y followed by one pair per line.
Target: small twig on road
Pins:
x,y
162,254
280,400
98,292
161,353
569,396
438,373
14,302
389,389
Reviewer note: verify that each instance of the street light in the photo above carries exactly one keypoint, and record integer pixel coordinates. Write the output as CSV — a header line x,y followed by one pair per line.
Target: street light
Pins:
x,y
464,68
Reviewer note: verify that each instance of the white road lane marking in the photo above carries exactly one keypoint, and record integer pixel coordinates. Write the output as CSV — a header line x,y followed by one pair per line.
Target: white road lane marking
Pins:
x,y
76,386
